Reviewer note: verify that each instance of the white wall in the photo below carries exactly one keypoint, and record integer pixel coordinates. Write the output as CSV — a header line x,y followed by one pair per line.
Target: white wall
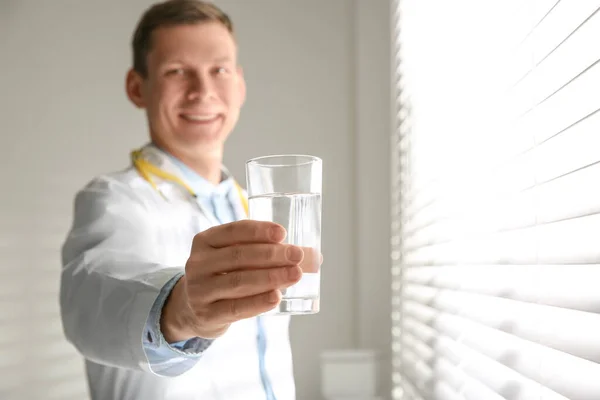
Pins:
x,y
65,118
373,124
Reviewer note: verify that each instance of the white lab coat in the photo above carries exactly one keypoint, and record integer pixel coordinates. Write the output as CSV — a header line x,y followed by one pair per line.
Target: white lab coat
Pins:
x,y
125,244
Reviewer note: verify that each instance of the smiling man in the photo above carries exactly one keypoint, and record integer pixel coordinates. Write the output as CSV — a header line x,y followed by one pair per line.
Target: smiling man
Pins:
x,y
163,278
190,84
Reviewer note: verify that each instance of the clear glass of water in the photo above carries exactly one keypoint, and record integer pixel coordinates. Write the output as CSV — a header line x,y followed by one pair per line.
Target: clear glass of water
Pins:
x,y
286,189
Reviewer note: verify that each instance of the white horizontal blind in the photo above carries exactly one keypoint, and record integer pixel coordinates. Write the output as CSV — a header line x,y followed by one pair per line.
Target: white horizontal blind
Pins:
x,y
496,229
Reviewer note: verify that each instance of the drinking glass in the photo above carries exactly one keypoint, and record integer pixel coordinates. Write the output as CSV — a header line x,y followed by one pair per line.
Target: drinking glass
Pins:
x,y
286,189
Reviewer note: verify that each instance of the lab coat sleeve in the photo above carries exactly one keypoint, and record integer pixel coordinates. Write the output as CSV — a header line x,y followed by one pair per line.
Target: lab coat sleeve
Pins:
x,y
169,359
110,279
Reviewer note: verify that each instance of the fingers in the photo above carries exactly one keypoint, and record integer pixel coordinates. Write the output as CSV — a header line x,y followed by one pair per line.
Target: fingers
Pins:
x,y
249,256
228,311
244,283
311,261
240,232
235,272
232,258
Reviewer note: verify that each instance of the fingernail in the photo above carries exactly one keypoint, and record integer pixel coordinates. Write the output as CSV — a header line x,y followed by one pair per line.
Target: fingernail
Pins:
x,y
293,273
294,254
277,233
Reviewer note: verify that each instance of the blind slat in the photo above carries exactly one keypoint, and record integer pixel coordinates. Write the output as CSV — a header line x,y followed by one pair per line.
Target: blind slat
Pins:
x,y
569,196
569,151
557,157
444,391
494,375
564,20
459,383
465,386
417,370
572,241
556,371
558,69
570,331
553,285
568,105
456,375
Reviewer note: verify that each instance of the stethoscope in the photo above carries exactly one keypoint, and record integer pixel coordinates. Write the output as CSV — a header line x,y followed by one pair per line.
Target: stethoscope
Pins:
x,y
146,169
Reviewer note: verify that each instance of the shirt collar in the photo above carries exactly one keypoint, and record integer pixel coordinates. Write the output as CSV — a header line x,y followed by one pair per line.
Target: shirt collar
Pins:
x,y
201,186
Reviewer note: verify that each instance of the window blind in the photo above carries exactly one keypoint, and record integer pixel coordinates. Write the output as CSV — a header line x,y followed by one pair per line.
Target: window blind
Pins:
x,y
496,200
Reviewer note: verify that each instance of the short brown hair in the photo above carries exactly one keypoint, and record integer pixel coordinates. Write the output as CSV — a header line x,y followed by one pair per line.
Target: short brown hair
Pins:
x,y
171,13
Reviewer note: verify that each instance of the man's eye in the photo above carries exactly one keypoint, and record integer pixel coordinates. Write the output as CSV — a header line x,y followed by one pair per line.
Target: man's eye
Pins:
x,y
221,70
175,71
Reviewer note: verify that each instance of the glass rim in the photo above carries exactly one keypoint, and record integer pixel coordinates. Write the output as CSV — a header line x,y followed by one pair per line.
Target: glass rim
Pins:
x,y
304,159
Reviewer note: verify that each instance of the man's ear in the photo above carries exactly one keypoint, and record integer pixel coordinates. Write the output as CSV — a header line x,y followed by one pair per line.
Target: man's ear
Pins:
x,y
134,88
241,85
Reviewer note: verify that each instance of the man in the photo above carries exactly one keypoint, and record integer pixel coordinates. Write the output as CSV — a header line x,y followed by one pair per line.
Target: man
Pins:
x,y
162,278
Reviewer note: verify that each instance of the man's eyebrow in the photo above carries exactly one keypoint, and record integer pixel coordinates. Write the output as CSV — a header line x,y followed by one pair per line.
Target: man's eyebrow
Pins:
x,y
223,59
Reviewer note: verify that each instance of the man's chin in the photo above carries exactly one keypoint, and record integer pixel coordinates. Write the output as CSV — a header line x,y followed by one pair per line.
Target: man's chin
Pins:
x,y
199,135
203,141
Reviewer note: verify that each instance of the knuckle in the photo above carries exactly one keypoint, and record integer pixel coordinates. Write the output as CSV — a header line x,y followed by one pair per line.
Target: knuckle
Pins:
x,y
255,230
270,253
272,276
193,259
201,296
203,315
235,279
229,229
236,254
212,315
193,266
189,265
198,239
234,309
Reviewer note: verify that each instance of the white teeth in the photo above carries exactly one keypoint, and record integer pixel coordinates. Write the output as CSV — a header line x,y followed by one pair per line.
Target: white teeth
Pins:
x,y
199,117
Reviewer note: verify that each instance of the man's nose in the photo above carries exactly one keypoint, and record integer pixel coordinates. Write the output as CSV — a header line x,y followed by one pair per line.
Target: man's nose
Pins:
x,y
200,87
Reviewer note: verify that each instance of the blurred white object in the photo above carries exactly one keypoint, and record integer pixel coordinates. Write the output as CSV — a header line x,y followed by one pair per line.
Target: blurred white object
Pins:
x,y
349,375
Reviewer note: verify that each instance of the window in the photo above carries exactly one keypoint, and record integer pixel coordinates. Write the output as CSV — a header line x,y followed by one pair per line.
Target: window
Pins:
x,y
496,196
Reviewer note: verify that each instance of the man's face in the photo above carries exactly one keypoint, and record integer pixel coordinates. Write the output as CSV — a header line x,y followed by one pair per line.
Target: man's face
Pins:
x,y
194,88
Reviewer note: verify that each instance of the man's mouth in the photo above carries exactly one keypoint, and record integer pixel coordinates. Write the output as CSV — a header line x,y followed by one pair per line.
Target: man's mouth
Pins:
x,y
200,118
